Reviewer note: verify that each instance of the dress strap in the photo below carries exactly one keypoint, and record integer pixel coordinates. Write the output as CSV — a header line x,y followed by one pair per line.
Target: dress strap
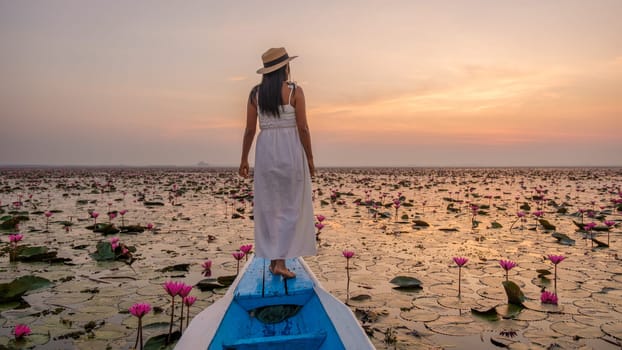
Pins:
x,y
292,86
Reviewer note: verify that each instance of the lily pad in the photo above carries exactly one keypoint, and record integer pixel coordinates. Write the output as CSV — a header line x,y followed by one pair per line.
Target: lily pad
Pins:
x,y
405,282
209,285
159,341
226,280
509,311
543,272
495,224
177,267
11,222
421,223
488,315
106,229
153,204
546,224
14,290
563,239
31,254
515,295
104,252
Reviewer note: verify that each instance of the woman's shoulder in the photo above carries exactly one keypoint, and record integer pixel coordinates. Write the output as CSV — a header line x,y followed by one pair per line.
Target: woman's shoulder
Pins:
x,y
294,86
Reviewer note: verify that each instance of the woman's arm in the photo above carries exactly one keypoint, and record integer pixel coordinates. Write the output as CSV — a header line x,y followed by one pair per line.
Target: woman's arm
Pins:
x,y
303,127
249,135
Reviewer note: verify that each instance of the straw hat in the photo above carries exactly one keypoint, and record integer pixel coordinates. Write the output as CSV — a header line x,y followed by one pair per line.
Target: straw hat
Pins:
x,y
274,59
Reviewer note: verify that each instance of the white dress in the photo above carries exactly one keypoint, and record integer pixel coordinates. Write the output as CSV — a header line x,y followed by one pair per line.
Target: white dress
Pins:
x,y
283,210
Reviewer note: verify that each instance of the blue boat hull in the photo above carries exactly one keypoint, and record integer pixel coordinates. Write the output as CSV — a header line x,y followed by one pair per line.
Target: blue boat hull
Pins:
x,y
263,311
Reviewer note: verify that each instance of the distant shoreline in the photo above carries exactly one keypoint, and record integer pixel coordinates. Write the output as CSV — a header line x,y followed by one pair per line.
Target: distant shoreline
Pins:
x,y
218,167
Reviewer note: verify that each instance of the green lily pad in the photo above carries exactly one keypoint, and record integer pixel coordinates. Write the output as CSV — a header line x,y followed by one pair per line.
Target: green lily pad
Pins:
x,y
488,315
543,272
600,244
226,280
14,290
209,284
405,282
421,223
361,297
177,267
153,203
159,341
509,311
563,239
515,295
106,229
546,224
495,224
30,254
104,252
12,221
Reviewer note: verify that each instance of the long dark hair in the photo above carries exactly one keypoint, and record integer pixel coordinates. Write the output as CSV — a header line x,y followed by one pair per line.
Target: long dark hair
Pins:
x,y
269,89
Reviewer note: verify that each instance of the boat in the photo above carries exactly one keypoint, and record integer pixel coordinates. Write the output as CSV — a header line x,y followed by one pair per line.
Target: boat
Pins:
x,y
264,311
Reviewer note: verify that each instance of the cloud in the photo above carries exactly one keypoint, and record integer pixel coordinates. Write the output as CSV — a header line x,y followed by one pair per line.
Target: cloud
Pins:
x,y
237,78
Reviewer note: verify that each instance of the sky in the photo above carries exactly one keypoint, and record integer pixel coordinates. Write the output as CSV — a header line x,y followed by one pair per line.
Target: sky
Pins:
x,y
387,83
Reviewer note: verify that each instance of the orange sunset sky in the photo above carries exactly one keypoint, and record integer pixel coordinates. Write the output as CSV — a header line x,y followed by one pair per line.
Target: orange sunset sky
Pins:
x,y
388,83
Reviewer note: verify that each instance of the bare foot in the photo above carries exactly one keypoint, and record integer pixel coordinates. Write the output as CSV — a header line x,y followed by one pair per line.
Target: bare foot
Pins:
x,y
283,271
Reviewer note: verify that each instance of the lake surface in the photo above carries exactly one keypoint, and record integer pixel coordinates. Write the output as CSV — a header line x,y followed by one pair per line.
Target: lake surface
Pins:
x,y
199,203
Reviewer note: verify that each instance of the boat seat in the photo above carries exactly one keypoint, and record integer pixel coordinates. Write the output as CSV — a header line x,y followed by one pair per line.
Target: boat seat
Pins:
x,y
280,342
261,288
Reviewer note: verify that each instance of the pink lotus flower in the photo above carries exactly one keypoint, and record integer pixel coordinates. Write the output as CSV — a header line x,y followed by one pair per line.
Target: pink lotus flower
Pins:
x,y
185,290
14,238
589,226
609,223
556,259
246,248
319,226
48,214
140,309
548,298
172,287
507,265
538,213
114,242
149,226
347,254
21,330
189,300
320,218
183,293
207,264
112,215
94,215
123,212
238,256
460,261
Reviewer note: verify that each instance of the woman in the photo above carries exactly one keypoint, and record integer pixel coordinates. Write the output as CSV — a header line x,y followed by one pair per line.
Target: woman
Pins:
x,y
283,210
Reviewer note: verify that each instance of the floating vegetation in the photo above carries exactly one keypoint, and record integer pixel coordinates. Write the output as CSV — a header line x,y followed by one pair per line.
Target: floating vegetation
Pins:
x,y
172,220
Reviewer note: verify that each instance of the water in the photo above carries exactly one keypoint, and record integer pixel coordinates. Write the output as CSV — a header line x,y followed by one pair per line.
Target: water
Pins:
x,y
589,282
